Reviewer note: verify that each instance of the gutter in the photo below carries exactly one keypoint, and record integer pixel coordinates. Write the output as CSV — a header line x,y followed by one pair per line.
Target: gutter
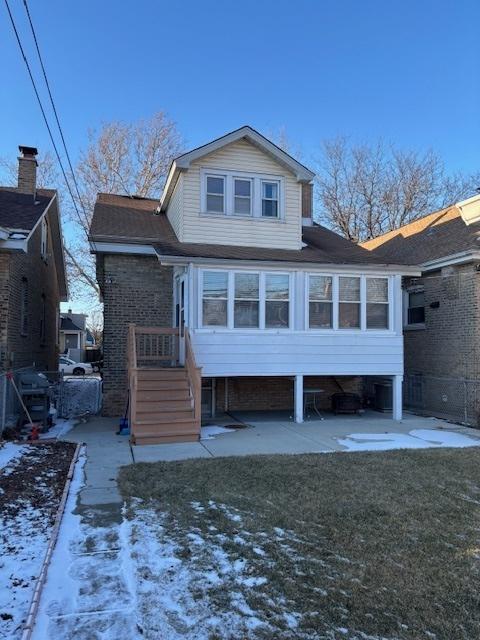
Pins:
x,y
462,257
300,266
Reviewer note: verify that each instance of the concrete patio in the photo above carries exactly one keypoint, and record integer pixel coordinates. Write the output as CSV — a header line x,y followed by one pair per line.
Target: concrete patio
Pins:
x,y
264,433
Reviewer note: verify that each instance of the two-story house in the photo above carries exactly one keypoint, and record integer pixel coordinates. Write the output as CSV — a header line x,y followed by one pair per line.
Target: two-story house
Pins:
x,y
32,271
232,286
441,309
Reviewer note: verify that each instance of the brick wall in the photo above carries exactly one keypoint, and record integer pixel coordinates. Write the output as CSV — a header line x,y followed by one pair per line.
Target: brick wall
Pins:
x,y
135,289
449,346
23,350
275,394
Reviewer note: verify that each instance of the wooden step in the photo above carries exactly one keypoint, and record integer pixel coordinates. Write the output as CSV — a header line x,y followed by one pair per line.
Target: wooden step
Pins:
x,y
161,395
159,406
161,374
162,385
160,417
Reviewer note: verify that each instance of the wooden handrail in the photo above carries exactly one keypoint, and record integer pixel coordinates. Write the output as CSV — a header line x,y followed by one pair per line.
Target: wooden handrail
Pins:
x,y
194,374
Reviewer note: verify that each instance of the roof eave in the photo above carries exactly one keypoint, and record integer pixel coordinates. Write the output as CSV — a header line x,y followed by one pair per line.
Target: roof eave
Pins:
x,y
390,268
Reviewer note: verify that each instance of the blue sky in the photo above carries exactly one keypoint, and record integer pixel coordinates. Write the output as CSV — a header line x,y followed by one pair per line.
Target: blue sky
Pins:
x,y
407,70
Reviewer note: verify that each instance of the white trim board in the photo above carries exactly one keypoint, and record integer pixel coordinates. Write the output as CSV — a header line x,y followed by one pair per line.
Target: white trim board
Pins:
x,y
122,247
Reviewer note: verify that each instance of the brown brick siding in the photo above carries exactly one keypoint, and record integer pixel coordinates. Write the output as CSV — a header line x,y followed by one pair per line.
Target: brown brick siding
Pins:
x,y
26,350
275,394
136,289
449,346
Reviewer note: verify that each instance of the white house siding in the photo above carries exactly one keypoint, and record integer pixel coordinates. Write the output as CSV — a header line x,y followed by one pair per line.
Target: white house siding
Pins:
x,y
175,208
297,353
241,156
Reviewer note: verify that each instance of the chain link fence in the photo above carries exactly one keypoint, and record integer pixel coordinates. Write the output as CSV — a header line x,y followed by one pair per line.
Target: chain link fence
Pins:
x,y
450,398
69,396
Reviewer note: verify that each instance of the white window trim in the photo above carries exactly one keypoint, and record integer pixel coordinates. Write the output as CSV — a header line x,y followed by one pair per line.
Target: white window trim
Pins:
x,y
250,198
44,239
335,301
224,178
229,194
231,302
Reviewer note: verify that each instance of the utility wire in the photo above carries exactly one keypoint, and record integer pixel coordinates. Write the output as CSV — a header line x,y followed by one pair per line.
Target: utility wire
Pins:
x,y
40,104
54,108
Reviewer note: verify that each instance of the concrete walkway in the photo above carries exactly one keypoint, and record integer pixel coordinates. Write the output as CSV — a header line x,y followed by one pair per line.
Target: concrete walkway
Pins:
x,y
265,433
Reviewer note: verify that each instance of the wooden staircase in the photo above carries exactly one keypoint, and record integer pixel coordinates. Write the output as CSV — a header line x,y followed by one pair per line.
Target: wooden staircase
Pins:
x,y
165,401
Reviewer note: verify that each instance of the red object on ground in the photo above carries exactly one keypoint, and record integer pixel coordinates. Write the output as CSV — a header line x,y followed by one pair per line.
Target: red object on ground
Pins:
x,y
34,432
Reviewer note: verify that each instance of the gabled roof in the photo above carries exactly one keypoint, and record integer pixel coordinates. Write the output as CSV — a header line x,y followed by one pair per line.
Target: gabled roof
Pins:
x,y
20,211
67,324
122,219
182,163
435,236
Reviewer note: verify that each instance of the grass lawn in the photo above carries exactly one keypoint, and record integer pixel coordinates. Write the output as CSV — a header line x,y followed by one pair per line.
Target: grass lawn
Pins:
x,y
344,545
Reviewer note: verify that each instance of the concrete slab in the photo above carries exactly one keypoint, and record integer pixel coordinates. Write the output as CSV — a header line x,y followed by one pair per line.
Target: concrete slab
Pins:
x,y
169,452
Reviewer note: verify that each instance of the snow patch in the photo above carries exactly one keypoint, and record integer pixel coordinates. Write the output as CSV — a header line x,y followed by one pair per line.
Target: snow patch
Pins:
x,y
416,439
9,451
60,428
209,432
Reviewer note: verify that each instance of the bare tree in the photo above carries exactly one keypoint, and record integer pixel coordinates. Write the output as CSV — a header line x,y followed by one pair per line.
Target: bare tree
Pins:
x,y
47,171
95,326
366,190
129,159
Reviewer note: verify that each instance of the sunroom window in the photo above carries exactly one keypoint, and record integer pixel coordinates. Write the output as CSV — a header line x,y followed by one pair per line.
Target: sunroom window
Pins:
x,y
215,298
349,302
246,302
320,302
276,301
269,199
215,194
242,204
377,303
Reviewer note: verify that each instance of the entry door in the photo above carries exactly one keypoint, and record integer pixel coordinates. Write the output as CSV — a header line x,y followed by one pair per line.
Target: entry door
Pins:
x,y
180,316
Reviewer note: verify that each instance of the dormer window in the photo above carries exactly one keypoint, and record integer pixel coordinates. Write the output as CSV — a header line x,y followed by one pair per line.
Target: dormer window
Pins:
x,y
241,194
269,199
215,194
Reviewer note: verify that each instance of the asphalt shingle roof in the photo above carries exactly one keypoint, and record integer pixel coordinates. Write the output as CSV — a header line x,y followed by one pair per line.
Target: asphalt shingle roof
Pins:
x,y
19,210
120,218
437,235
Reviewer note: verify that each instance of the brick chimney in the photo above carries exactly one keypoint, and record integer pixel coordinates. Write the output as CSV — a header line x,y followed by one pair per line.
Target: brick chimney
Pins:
x,y
307,204
27,170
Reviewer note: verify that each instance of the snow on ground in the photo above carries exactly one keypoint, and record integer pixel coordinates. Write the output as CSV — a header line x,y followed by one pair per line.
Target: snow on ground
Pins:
x,y
59,429
209,432
416,439
9,451
81,395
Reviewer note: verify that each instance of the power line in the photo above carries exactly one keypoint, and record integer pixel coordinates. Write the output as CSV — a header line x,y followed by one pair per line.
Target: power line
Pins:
x,y
54,108
40,103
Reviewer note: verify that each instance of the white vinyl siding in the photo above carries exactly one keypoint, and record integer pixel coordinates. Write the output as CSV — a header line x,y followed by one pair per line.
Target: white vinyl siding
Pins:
x,y
175,208
239,158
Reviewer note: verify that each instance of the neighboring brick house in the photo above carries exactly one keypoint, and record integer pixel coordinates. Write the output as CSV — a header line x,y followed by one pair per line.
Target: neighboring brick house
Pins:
x,y
441,309
32,271
229,271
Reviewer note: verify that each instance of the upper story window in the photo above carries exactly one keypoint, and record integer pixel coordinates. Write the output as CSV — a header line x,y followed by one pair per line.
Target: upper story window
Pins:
x,y
215,194
230,193
269,199
242,204
24,307
44,239
415,307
